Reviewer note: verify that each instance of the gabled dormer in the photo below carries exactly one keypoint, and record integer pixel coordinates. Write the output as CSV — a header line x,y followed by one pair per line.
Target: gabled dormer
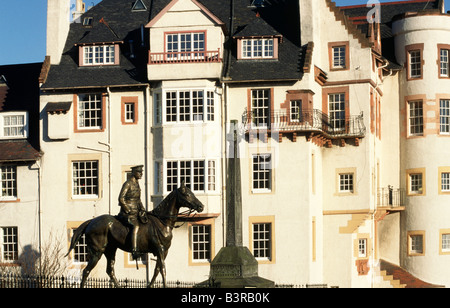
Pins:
x,y
257,40
100,45
186,34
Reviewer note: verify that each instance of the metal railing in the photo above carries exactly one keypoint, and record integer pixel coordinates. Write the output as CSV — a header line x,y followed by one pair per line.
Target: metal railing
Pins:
x,y
184,57
390,197
304,121
16,281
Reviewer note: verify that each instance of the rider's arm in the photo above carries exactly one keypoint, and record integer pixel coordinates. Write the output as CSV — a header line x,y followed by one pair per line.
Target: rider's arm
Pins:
x,y
122,194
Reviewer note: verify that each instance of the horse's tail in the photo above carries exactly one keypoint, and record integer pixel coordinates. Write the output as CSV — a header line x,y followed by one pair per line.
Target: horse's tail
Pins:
x,y
77,235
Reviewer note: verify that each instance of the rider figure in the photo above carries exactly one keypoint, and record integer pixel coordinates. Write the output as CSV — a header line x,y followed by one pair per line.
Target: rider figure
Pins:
x,y
131,205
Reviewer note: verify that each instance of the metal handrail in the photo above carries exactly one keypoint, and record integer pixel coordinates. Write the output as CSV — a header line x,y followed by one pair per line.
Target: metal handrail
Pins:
x,y
390,197
184,57
305,121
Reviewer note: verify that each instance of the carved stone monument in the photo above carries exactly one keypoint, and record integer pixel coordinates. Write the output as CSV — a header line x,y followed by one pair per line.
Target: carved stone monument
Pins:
x,y
235,266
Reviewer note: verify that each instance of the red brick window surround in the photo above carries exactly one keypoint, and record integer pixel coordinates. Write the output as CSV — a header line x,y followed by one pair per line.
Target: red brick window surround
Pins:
x,y
129,110
89,112
339,56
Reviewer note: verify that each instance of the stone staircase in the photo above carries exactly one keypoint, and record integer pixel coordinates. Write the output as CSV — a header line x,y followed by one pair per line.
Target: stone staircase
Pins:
x,y
389,275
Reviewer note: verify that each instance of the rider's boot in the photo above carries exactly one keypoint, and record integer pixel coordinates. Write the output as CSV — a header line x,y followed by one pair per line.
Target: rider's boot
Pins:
x,y
134,252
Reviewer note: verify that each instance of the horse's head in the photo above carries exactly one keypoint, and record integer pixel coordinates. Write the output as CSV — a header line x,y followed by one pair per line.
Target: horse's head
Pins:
x,y
187,198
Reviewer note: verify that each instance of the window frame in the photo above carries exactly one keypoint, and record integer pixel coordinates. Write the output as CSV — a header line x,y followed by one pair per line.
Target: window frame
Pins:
x,y
126,101
88,129
14,180
72,158
259,103
442,233
204,247
421,63
179,109
24,127
444,116
416,118
186,169
409,184
440,62
257,48
89,55
351,171
14,243
185,53
265,220
332,59
444,181
267,173
337,123
411,235
95,178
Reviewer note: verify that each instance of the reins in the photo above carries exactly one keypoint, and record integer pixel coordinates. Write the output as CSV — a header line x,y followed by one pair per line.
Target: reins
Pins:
x,y
183,214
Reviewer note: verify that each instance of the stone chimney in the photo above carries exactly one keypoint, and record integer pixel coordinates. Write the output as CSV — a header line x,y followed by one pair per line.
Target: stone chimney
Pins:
x,y
80,9
58,23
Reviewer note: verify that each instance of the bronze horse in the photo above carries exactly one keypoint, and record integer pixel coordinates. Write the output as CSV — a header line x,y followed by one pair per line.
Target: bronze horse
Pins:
x,y
104,234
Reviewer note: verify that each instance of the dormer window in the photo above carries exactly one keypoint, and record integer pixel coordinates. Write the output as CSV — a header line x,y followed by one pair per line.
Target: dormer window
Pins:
x,y
87,21
99,55
139,6
13,125
258,48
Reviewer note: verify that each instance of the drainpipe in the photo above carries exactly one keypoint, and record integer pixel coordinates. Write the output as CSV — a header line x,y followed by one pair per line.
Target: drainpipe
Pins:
x,y
109,150
147,164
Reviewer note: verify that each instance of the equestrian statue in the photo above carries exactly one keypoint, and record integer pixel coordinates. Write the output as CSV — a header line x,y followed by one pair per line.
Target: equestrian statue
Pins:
x,y
134,229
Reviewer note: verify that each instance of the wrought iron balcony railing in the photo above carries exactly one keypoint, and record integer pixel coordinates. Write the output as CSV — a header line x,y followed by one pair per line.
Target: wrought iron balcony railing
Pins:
x,y
305,121
184,57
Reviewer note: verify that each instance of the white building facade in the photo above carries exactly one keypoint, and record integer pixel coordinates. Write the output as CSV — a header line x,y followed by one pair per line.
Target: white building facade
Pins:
x,y
343,132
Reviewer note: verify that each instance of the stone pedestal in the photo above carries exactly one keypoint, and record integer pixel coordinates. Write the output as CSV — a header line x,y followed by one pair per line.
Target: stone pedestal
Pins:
x,y
236,267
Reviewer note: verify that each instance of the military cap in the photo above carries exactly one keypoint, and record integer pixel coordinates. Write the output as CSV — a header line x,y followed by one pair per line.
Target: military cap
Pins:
x,y
137,168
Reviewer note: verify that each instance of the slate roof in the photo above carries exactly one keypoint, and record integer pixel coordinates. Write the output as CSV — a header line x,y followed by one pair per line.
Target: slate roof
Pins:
x,y
19,91
113,21
280,19
358,14
119,23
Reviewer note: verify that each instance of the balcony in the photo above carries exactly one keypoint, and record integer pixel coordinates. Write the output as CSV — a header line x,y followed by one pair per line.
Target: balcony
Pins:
x,y
389,200
316,125
390,197
180,65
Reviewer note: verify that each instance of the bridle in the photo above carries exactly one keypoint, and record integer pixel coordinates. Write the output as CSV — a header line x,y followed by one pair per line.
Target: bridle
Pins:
x,y
183,214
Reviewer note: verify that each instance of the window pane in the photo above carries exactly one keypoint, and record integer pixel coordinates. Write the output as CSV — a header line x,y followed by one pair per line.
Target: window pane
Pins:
x,y
261,107
416,118
444,112
339,57
444,63
90,111
201,242
262,171
415,62
10,249
8,182
336,109
85,178
262,246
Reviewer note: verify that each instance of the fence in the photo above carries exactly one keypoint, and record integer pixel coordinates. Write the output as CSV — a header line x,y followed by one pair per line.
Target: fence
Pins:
x,y
14,281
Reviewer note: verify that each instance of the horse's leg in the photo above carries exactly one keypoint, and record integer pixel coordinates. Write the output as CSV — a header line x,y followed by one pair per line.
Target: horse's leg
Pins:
x,y
163,266
155,273
160,267
93,260
110,255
